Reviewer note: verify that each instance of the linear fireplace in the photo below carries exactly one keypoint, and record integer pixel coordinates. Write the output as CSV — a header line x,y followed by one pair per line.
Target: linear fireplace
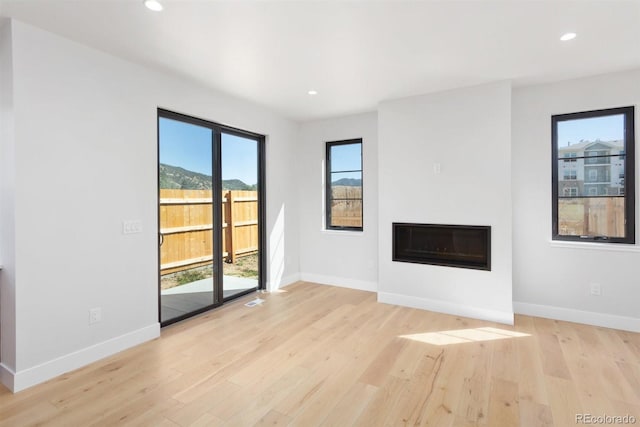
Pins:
x,y
465,246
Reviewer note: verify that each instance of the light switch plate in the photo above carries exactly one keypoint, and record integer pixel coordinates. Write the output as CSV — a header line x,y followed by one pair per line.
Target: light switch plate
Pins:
x,y
131,226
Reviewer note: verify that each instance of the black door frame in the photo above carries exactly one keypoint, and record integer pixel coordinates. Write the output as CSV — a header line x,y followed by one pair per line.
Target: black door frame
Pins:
x,y
217,130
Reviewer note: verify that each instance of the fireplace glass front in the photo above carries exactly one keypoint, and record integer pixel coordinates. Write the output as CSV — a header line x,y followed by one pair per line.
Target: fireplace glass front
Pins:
x,y
465,246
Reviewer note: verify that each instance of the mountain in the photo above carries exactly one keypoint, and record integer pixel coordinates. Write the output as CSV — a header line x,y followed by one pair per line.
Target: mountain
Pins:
x,y
348,182
179,178
236,184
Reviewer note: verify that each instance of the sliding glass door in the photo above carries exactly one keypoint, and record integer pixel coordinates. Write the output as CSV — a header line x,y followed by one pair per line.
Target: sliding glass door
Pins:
x,y
210,214
240,171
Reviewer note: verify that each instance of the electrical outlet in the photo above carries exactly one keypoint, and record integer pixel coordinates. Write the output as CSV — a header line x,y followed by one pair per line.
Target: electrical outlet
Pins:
x,y
95,315
131,226
595,289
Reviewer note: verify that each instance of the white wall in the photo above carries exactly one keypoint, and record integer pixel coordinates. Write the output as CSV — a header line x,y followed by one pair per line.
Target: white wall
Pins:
x,y
553,280
85,159
468,132
7,219
342,258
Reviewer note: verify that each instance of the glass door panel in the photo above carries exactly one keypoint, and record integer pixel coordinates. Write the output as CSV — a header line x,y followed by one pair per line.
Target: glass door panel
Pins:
x,y
185,218
240,214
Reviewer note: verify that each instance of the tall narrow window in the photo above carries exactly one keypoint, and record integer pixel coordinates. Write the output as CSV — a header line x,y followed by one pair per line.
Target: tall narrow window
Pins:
x,y
344,185
599,203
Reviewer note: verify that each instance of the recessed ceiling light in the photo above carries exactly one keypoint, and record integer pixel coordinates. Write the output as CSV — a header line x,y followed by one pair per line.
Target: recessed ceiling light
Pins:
x,y
313,92
568,36
154,5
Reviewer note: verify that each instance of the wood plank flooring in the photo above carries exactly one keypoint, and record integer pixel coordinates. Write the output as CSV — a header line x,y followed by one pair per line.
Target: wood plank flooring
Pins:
x,y
316,355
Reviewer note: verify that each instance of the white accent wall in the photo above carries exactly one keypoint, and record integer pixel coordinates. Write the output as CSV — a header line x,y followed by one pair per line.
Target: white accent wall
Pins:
x,y
468,133
7,218
341,258
86,159
553,279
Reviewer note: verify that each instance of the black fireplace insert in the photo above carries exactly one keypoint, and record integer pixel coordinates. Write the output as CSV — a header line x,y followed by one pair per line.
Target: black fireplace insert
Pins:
x,y
465,246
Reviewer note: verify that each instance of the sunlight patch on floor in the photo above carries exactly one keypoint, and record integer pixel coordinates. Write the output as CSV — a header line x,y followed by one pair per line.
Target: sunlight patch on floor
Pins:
x,y
277,291
460,336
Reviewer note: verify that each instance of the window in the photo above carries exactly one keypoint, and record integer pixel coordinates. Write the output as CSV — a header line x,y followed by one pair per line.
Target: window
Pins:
x,y
570,157
597,157
570,191
344,185
604,144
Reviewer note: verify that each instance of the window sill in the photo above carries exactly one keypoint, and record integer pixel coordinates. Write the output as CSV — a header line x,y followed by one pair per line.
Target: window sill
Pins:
x,y
343,232
612,247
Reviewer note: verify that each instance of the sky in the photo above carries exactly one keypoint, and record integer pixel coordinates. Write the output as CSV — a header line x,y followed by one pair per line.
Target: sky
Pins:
x,y
346,157
608,128
189,146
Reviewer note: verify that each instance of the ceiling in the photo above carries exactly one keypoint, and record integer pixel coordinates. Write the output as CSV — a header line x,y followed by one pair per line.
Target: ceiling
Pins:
x,y
355,54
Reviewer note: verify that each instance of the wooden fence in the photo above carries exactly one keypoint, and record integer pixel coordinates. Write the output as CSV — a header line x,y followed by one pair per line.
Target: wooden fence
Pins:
x,y
346,213
186,225
602,216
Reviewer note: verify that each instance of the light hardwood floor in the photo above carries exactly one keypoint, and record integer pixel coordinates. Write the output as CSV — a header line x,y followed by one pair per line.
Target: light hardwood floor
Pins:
x,y
321,355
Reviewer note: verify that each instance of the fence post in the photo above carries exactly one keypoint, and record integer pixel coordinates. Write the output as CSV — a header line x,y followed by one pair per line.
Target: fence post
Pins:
x,y
232,228
586,216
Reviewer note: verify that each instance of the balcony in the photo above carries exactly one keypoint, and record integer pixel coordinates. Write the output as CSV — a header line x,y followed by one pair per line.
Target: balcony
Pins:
x,y
597,160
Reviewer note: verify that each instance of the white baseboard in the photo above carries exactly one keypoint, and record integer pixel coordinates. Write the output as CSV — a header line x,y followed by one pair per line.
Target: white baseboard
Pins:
x,y
290,280
362,285
6,376
17,381
283,282
446,307
578,316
